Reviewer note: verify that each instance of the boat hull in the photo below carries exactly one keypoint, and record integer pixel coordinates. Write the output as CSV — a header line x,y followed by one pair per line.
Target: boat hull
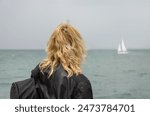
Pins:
x,y
122,52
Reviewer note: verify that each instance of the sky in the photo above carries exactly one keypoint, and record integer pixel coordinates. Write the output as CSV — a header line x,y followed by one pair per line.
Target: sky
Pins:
x,y
28,24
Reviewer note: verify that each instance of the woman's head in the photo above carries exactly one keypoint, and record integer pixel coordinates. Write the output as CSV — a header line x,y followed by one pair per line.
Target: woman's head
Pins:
x,y
65,47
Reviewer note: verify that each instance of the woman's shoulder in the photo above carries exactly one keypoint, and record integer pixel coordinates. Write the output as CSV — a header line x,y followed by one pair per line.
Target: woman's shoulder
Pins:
x,y
81,78
83,89
36,72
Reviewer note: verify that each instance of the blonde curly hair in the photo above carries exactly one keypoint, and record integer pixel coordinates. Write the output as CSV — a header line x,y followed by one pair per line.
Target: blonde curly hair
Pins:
x,y
65,47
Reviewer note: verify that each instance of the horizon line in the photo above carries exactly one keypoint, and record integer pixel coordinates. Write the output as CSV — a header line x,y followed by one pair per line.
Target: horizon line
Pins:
x,y
87,49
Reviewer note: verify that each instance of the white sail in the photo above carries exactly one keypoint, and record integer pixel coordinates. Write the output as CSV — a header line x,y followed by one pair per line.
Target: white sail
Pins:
x,y
121,48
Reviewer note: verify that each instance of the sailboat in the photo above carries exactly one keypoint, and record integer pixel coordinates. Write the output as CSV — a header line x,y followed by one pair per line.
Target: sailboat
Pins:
x,y
121,48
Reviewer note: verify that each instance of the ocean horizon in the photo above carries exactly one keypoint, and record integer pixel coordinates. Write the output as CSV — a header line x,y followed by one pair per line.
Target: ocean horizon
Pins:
x,y
113,76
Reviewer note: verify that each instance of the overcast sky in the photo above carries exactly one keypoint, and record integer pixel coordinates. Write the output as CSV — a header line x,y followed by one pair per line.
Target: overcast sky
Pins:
x,y
28,24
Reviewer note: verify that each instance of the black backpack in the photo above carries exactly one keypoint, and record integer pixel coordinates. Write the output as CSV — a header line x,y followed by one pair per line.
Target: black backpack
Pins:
x,y
25,89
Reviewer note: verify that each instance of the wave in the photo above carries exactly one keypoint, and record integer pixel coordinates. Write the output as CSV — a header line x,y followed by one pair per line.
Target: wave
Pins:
x,y
143,74
98,75
129,71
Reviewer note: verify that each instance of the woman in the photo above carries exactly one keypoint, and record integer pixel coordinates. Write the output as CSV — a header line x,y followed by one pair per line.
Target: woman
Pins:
x,y
59,76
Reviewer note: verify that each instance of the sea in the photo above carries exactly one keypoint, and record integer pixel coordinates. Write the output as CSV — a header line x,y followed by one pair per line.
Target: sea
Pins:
x,y
112,75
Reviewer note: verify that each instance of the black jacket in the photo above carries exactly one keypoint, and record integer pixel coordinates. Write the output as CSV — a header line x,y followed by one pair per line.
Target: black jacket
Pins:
x,y
58,86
